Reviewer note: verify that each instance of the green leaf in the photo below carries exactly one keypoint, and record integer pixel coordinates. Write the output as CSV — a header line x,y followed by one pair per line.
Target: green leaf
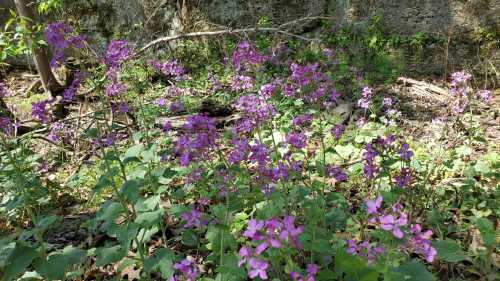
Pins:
x,y
189,238
220,211
449,251
57,264
353,267
162,261
109,211
345,151
19,260
220,239
130,189
124,233
107,255
229,269
133,153
147,204
488,233
46,222
412,271
148,219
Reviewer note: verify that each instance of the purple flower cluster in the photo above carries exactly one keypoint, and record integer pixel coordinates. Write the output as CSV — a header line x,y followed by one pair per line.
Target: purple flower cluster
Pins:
x,y
40,110
387,102
396,221
187,268
421,242
460,88
70,92
241,83
268,233
115,88
121,107
4,91
200,137
297,140
309,83
107,140
385,146
171,68
7,126
311,271
59,132
59,38
485,95
193,219
273,232
302,120
365,249
404,178
176,107
268,90
459,83
337,173
246,55
392,221
370,167
118,51
256,110
366,98
405,152
338,131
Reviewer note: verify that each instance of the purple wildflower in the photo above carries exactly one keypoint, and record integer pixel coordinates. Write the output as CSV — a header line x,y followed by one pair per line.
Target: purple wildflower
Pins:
x,y
404,178
245,253
193,219
170,68
374,205
115,88
245,54
176,107
118,51
4,91
167,126
390,223
241,82
297,140
6,125
188,268
421,242
338,131
366,99
258,268
405,152
485,95
161,102
253,229
365,249
337,173
302,120
59,38
40,109
70,92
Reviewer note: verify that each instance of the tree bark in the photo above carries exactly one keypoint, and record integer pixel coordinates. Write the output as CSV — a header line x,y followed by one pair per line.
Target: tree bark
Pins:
x,y
49,81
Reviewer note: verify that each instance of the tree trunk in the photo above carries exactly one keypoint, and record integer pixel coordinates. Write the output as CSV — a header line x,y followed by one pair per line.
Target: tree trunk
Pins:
x,y
49,81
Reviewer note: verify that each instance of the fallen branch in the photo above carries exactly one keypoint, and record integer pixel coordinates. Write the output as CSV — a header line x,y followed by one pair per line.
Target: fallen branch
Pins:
x,y
423,85
279,29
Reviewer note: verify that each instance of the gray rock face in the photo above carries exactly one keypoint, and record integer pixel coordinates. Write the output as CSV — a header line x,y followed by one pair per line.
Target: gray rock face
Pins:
x,y
140,21
145,19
